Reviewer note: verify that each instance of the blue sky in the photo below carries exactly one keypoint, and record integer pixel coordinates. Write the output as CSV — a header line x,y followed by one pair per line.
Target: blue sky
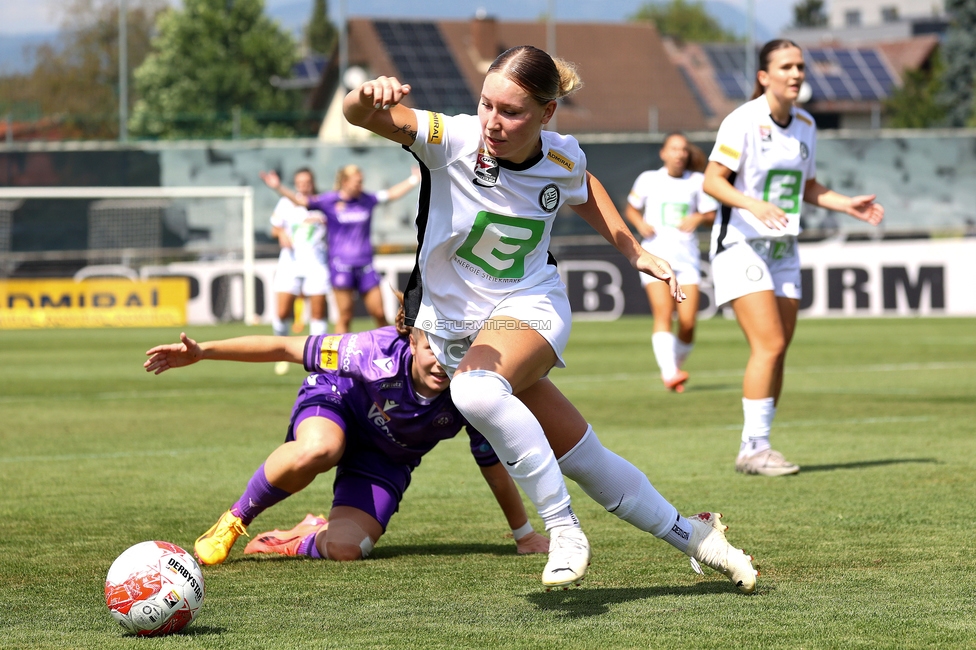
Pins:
x,y
25,23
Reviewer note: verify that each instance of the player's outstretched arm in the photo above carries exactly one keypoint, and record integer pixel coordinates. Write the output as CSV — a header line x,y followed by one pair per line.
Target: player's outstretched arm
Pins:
x,y
244,348
400,190
376,107
273,182
600,212
507,495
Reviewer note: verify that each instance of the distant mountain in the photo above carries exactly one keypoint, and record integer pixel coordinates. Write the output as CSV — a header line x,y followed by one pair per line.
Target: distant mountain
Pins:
x,y
770,15
16,51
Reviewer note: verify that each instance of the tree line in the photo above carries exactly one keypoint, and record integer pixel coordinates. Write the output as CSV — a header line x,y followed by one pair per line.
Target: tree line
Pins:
x,y
204,70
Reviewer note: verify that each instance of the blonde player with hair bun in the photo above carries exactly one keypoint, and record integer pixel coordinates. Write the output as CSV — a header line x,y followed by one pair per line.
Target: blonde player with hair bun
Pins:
x,y
348,214
497,317
667,206
762,168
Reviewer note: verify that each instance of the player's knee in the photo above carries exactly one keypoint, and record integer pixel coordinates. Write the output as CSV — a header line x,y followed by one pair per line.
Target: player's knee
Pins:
x,y
346,541
341,552
772,347
317,452
477,392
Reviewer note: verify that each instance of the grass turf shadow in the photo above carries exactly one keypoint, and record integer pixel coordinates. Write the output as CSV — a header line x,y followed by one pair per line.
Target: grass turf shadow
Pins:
x,y
402,550
588,601
862,464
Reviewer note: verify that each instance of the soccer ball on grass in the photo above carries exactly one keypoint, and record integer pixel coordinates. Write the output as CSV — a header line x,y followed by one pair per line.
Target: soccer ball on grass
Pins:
x,y
154,588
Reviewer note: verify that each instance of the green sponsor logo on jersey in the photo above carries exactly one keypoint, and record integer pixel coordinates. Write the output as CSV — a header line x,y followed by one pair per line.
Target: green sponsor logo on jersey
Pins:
x,y
783,189
673,213
498,244
303,232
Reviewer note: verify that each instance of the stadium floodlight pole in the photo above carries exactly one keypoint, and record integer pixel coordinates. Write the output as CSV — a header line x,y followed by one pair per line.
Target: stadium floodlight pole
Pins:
x,y
123,72
551,43
343,62
750,70
250,304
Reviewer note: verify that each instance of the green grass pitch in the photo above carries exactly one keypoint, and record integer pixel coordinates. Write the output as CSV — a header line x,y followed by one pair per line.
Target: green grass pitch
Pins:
x,y
870,546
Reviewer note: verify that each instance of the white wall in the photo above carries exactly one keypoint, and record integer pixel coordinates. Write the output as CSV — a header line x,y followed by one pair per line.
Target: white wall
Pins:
x,y
871,10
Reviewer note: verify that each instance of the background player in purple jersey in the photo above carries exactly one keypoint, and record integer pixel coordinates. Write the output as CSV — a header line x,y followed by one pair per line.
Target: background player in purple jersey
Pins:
x,y
348,214
376,402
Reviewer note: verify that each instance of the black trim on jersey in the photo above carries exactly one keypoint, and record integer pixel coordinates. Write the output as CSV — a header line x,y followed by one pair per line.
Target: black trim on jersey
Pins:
x,y
414,292
782,126
726,217
305,354
522,166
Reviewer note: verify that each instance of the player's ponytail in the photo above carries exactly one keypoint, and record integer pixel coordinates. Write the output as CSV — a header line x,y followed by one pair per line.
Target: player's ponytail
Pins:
x,y
400,322
541,76
569,79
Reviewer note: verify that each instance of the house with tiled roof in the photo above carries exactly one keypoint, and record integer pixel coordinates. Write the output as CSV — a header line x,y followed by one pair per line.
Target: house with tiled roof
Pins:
x,y
848,83
630,83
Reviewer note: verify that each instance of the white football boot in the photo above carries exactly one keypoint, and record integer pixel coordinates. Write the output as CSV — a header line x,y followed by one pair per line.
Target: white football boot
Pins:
x,y
569,555
709,546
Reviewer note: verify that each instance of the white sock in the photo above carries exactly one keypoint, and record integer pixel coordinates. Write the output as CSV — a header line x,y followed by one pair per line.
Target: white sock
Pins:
x,y
317,326
485,400
681,351
280,327
679,534
663,344
758,417
618,486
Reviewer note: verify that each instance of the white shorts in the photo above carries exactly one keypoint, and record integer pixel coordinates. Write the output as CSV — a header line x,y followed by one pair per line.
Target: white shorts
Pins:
x,y
302,279
547,313
683,256
757,265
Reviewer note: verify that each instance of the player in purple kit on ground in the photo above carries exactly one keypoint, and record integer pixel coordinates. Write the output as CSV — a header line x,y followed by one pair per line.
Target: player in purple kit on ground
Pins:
x,y
376,402
348,213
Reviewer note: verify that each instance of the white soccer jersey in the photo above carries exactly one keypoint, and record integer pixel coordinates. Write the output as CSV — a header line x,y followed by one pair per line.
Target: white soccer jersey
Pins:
x,y
666,200
306,230
772,163
484,232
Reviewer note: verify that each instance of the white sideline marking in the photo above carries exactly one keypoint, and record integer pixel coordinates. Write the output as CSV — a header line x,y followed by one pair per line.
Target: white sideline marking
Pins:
x,y
119,454
817,423
135,394
811,370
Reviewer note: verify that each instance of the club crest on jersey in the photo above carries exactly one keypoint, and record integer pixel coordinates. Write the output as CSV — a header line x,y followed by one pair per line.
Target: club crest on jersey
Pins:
x,y
443,420
765,133
485,169
549,197
804,151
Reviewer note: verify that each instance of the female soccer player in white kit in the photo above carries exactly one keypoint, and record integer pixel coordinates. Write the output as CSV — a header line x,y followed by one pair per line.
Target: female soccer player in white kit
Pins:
x,y
761,169
302,268
666,206
495,311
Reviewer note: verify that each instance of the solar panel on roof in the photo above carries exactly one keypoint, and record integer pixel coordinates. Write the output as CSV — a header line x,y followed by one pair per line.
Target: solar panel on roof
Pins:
x,y
838,86
423,59
865,89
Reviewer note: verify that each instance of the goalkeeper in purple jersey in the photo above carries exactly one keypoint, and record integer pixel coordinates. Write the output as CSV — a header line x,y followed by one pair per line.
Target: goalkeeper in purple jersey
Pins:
x,y
375,403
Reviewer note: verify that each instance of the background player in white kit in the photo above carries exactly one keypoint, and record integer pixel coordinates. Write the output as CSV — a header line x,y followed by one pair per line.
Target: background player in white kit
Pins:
x,y
495,311
302,266
762,168
666,206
